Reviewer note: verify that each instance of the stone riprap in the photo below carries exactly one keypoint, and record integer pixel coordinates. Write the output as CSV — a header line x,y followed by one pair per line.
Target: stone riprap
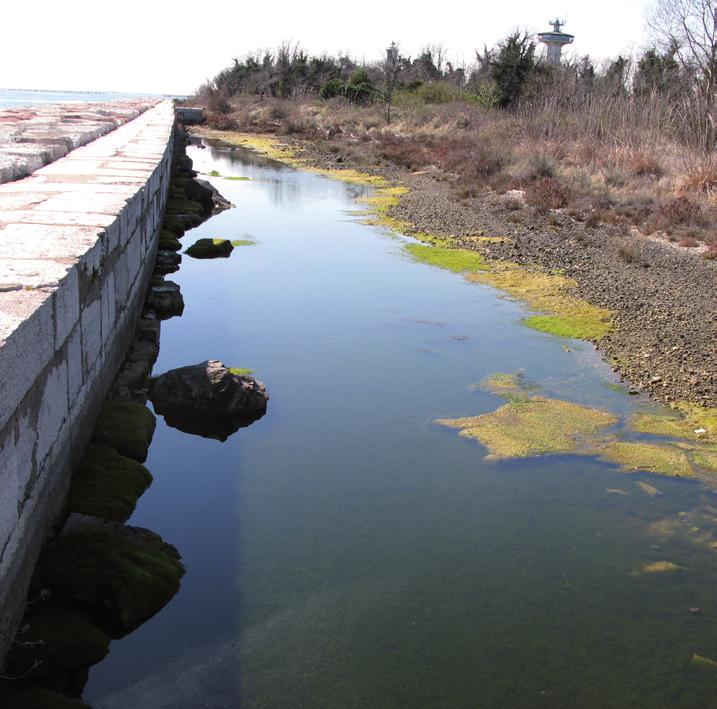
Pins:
x,y
36,136
77,245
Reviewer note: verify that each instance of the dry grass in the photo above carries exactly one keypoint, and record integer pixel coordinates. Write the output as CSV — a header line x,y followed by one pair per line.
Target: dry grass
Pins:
x,y
626,161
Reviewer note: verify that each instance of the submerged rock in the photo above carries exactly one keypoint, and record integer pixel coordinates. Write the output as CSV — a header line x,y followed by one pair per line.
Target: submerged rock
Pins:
x,y
121,575
208,399
127,427
210,248
107,484
55,639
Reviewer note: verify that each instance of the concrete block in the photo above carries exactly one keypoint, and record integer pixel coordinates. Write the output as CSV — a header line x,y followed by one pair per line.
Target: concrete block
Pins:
x,y
91,322
108,306
26,344
73,355
53,410
17,447
67,307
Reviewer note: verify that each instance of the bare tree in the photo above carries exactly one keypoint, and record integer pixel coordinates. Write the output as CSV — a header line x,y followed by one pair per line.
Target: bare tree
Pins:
x,y
689,28
390,68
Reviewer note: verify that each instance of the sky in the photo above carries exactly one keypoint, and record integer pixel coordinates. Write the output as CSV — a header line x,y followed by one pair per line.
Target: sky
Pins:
x,y
156,46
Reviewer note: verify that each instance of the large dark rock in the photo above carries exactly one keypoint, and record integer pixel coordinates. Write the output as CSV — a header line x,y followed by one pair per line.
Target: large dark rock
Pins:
x,y
55,639
207,195
120,575
208,399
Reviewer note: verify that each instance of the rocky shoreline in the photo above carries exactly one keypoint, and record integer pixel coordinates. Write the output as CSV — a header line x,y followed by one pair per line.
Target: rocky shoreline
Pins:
x,y
664,297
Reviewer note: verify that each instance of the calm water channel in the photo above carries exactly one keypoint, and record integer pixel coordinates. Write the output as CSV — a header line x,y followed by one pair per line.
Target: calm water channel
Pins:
x,y
344,551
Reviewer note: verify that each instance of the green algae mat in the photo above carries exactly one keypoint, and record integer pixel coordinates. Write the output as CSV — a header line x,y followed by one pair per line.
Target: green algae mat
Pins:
x,y
530,425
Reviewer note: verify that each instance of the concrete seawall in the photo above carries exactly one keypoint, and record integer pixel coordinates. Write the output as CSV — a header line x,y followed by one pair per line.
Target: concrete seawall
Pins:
x,y
77,245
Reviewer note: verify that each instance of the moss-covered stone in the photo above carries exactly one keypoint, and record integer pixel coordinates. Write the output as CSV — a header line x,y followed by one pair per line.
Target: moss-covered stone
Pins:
x,y
54,639
37,698
183,205
173,224
168,241
107,484
127,427
653,457
532,427
121,575
210,248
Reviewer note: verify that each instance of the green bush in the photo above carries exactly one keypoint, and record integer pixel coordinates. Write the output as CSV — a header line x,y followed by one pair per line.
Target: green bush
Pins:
x,y
360,89
332,88
437,92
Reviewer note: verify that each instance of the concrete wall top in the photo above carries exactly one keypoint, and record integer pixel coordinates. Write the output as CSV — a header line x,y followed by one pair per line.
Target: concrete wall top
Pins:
x,y
56,227
37,135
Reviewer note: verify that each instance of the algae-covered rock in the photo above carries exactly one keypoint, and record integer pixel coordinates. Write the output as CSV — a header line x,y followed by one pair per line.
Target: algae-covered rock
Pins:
x,y
121,575
37,698
210,248
107,484
208,399
127,427
534,426
54,639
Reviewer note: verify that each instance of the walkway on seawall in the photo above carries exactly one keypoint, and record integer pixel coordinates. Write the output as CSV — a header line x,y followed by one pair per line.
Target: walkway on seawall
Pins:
x,y
77,245
38,135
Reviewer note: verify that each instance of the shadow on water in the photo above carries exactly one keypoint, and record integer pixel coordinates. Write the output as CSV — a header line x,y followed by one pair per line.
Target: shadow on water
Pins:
x,y
344,551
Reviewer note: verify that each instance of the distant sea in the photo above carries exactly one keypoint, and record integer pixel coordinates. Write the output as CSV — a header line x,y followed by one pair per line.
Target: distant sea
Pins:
x,y
13,98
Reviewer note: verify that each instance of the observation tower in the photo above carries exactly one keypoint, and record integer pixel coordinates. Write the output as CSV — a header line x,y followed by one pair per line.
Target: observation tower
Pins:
x,y
555,41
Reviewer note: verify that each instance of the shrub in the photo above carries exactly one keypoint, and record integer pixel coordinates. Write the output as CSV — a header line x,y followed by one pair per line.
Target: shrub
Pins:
x,y
700,178
437,92
332,88
542,165
546,193
645,165
711,252
360,89
218,102
627,253
682,211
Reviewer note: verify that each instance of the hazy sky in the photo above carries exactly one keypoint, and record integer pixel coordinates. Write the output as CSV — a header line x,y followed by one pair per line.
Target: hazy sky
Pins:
x,y
172,47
